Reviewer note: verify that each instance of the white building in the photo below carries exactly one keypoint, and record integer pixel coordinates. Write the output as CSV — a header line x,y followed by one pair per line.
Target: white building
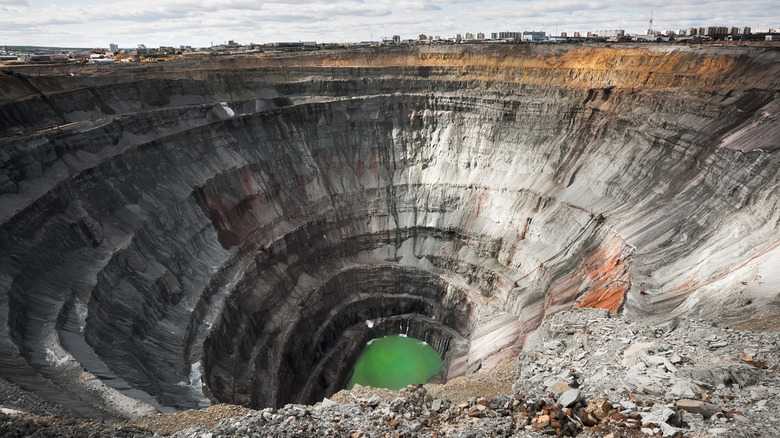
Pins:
x,y
611,33
534,35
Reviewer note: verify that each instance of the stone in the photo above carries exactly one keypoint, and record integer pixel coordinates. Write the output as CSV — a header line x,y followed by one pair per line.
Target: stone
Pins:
x,y
558,387
630,354
617,416
599,409
436,404
477,413
588,419
326,402
570,397
697,407
660,416
682,388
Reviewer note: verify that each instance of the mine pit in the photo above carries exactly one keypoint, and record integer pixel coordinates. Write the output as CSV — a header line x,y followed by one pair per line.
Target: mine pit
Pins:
x,y
223,230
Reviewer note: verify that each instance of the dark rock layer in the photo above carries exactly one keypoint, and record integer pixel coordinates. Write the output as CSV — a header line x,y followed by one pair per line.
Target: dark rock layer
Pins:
x,y
255,220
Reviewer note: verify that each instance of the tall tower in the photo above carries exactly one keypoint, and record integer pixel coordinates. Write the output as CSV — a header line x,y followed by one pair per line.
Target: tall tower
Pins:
x,y
650,29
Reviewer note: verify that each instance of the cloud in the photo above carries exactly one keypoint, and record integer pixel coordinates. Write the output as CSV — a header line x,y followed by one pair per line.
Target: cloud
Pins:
x,y
198,22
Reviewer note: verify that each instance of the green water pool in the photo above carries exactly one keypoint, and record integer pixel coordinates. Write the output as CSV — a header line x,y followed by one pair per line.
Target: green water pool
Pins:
x,y
395,361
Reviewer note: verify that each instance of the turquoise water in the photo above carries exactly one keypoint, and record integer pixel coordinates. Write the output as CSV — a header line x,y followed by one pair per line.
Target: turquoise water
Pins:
x,y
395,361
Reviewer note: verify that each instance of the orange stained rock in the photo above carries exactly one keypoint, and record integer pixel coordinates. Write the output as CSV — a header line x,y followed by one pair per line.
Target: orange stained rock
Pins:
x,y
592,67
600,281
607,270
609,297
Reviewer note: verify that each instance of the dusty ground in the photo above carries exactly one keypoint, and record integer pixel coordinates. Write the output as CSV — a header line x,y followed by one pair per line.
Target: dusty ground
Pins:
x,y
458,390
490,384
168,424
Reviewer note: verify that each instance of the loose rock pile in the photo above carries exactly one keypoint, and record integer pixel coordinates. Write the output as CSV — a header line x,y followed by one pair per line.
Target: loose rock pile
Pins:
x,y
581,374
25,425
412,413
683,377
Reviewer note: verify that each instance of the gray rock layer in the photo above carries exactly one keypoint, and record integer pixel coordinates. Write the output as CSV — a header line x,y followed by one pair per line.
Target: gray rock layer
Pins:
x,y
236,229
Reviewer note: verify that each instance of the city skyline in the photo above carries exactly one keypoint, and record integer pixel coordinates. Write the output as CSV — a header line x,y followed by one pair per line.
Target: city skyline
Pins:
x,y
202,23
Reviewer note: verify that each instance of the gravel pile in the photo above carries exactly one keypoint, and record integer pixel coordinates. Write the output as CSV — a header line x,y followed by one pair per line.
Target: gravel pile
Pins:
x,y
718,381
18,425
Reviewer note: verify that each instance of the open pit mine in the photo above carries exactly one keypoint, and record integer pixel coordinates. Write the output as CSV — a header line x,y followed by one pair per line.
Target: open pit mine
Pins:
x,y
235,229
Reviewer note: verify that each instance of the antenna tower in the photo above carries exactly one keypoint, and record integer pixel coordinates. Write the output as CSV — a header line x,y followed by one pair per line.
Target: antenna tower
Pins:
x,y
650,29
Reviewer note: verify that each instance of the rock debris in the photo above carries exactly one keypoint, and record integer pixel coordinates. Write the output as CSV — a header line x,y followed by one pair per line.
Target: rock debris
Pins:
x,y
582,373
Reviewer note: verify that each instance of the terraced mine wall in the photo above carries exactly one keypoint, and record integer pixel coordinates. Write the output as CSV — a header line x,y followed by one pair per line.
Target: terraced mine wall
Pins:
x,y
234,229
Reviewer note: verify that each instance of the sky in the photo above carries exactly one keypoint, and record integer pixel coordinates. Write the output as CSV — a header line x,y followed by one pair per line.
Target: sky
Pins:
x,y
201,23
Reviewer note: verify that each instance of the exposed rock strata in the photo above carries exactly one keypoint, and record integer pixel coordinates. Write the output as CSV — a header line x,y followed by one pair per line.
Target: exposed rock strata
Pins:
x,y
241,219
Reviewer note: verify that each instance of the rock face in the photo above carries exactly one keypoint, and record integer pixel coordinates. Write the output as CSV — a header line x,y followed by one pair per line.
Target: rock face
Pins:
x,y
235,229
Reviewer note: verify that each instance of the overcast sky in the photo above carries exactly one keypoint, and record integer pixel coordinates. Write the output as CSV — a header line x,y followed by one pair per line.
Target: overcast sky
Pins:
x,y
199,23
